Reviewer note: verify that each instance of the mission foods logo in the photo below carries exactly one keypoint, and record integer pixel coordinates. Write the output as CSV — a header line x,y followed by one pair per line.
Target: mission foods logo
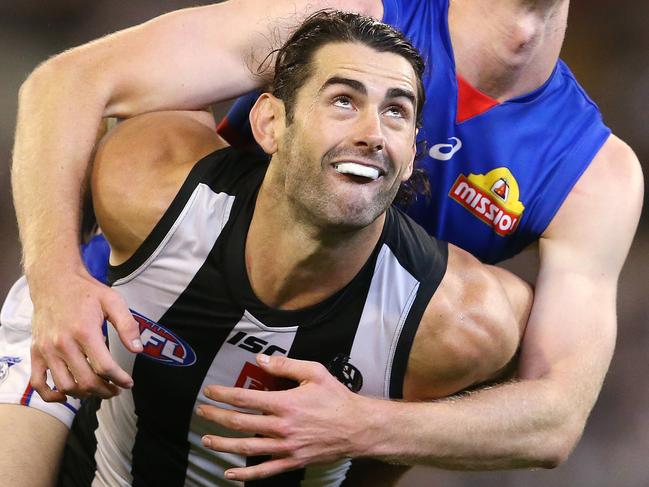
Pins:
x,y
162,345
492,197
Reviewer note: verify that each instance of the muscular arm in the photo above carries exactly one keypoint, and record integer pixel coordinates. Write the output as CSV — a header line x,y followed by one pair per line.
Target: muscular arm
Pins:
x,y
183,60
532,421
138,170
537,420
470,331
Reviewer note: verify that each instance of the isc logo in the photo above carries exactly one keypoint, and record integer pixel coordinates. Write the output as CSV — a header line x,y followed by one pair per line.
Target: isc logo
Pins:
x,y
162,345
254,344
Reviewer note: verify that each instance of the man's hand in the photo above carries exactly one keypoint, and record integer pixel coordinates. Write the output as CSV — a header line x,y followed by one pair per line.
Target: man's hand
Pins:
x,y
68,338
317,422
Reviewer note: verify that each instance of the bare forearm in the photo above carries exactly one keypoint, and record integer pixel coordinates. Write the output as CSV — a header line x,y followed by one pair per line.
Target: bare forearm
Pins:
x,y
516,425
58,120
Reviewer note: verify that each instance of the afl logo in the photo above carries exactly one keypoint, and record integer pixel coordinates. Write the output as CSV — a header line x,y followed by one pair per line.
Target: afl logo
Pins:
x,y
346,373
162,345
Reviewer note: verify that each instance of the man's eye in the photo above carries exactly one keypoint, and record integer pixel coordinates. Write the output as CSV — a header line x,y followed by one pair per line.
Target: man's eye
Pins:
x,y
343,102
396,111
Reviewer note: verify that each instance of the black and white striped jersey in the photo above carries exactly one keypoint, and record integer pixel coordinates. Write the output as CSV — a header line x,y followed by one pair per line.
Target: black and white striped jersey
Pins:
x,y
202,324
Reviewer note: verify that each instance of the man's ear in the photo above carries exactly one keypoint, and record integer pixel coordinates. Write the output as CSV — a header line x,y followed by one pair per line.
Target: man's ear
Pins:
x,y
267,121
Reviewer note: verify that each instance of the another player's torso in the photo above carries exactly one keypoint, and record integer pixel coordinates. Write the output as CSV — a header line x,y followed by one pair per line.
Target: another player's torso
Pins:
x,y
201,324
498,172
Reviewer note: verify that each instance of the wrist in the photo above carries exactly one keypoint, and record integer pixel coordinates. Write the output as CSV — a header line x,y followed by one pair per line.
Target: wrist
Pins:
x,y
375,428
47,273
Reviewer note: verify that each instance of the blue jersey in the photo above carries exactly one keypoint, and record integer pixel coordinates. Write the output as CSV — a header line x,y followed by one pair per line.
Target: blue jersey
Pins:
x,y
95,257
498,171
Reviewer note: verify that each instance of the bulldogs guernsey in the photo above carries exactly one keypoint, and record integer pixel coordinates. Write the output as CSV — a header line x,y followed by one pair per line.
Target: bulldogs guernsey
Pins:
x,y
201,324
498,171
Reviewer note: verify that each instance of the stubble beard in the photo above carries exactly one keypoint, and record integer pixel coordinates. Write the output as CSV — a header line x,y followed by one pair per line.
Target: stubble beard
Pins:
x,y
318,205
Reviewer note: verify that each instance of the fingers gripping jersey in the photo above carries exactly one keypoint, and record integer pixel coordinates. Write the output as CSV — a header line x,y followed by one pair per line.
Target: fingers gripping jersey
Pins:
x,y
201,324
498,171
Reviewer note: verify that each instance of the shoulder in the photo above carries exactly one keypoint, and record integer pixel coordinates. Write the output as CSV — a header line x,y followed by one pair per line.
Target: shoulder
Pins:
x,y
168,136
597,221
615,163
138,169
470,330
154,148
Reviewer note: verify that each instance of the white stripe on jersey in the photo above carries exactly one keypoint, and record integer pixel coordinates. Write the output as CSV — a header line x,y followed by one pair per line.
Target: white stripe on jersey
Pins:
x,y
160,280
206,467
388,303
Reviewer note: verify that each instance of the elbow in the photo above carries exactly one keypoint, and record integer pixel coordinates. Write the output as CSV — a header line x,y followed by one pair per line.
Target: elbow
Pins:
x,y
46,73
63,76
556,452
29,87
556,444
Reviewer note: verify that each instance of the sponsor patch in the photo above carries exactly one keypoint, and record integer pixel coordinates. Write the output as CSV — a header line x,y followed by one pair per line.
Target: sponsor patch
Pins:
x,y
253,344
493,198
256,378
163,345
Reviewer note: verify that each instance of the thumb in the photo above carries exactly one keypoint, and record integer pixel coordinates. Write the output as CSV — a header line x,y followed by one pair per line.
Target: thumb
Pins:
x,y
297,370
120,316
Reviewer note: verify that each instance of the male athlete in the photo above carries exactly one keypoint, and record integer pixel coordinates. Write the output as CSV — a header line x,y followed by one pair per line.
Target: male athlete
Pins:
x,y
303,257
517,152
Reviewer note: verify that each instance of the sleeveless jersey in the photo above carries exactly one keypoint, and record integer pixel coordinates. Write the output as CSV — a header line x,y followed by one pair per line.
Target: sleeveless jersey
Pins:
x,y
498,171
201,324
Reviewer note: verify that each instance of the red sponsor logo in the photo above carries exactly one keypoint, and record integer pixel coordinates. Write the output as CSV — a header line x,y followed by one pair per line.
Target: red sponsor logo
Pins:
x,y
484,205
256,378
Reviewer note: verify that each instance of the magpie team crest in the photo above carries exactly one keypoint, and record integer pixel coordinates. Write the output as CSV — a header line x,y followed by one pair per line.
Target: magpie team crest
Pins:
x,y
346,373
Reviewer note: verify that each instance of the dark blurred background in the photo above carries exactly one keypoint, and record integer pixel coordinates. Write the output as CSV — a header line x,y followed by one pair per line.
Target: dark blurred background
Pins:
x,y
607,46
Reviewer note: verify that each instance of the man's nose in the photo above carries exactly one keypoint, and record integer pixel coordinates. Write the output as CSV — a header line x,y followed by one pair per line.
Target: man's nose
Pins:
x,y
369,132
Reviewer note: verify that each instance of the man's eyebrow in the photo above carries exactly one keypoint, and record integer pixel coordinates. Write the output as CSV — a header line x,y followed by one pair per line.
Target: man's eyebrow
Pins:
x,y
360,87
352,83
400,92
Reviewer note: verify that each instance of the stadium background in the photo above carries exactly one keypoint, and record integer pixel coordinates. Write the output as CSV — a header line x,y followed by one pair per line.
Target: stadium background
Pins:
x,y
607,47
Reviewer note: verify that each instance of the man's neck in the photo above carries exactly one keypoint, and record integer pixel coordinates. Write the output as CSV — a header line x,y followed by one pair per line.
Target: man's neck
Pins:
x,y
293,264
507,48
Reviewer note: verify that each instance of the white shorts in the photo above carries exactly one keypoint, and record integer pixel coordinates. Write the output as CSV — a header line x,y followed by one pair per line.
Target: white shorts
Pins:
x,y
15,359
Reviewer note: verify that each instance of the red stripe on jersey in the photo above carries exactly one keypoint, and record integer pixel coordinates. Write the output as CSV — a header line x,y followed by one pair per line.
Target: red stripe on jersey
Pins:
x,y
471,101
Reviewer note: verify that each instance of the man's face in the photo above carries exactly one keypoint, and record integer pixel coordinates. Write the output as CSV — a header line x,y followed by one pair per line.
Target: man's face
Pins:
x,y
352,139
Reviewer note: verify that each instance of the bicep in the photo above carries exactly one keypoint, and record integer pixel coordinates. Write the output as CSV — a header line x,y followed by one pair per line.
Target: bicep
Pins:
x,y
469,332
192,57
571,333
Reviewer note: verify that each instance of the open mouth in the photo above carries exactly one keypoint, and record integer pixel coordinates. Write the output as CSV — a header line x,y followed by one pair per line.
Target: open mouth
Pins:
x,y
359,170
